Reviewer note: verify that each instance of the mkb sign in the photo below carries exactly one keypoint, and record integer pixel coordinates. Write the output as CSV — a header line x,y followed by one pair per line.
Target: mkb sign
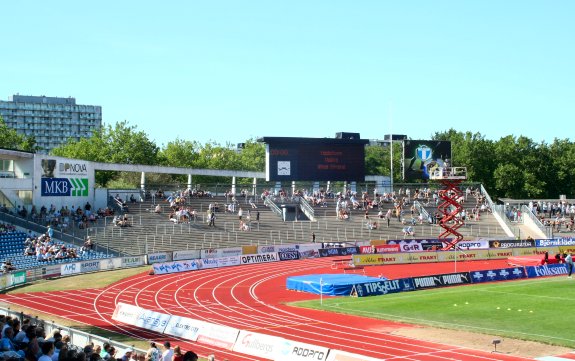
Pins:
x,y
60,187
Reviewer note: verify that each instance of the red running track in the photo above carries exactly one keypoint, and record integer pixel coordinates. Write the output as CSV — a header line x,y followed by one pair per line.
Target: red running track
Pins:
x,y
253,298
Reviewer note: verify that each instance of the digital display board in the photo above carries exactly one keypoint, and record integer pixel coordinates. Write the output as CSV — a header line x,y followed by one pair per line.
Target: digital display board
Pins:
x,y
315,159
421,157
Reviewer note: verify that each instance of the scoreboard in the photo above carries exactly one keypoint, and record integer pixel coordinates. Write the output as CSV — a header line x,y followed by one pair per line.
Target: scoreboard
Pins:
x,y
315,159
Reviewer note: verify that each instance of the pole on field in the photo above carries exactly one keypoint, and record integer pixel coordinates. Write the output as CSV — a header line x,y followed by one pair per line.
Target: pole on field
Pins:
x,y
321,291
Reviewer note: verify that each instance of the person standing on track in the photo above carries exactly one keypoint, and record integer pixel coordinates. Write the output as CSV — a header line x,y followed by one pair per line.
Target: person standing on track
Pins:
x,y
569,263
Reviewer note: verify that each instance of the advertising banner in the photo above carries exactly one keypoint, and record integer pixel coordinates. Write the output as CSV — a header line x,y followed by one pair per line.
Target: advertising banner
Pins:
x,y
133,261
259,258
218,335
376,259
184,327
51,271
497,275
383,248
564,241
127,313
152,320
450,256
69,269
471,245
230,251
295,351
18,278
338,251
451,279
310,250
178,266
229,261
511,243
207,262
288,256
546,270
337,355
415,245
185,255
110,263
258,345
249,249
89,266
384,287
499,253
278,248
158,257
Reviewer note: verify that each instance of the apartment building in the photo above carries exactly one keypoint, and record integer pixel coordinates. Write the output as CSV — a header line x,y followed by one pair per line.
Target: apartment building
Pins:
x,y
51,120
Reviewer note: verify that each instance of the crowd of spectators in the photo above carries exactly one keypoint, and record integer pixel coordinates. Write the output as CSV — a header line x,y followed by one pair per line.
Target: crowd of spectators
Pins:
x,y
45,248
26,341
558,215
62,218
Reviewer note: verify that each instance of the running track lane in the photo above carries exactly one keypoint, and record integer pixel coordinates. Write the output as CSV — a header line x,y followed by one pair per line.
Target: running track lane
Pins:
x,y
252,298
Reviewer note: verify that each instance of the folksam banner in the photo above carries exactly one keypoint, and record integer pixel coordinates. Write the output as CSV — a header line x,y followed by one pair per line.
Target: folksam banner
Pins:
x,y
546,270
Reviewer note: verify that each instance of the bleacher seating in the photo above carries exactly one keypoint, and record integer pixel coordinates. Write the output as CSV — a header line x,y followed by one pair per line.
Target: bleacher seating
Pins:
x,y
12,249
154,232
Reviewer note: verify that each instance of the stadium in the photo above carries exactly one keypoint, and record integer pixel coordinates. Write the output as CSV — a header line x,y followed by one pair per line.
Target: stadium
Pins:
x,y
314,260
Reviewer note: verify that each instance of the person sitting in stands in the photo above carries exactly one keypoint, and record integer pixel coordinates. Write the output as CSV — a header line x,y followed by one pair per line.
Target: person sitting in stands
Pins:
x,y
88,245
158,208
244,226
408,231
124,222
7,266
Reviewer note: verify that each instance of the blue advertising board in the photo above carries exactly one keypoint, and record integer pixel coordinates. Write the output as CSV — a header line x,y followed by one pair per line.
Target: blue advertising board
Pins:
x,y
546,270
384,287
502,274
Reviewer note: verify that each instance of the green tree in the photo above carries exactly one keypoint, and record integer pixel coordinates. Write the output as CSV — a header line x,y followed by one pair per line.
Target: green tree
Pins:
x,y
377,160
120,143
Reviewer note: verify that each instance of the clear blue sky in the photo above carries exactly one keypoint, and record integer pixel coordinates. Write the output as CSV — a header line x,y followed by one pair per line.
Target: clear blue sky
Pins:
x,y
232,70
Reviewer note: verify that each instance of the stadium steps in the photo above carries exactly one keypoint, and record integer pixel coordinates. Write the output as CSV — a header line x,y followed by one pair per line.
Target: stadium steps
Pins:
x,y
151,232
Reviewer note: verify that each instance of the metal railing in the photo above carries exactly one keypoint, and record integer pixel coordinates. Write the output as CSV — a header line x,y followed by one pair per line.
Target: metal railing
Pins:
x,y
307,209
547,230
274,207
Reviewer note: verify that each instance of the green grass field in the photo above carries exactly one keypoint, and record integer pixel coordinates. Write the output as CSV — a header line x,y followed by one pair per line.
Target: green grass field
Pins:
x,y
541,310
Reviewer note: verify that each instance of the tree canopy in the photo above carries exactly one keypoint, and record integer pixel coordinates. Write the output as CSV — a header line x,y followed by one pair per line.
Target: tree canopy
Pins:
x,y
10,139
509,167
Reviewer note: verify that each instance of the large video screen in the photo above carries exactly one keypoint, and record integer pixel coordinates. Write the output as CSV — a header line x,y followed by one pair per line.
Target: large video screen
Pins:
x,y
422,156
315,159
